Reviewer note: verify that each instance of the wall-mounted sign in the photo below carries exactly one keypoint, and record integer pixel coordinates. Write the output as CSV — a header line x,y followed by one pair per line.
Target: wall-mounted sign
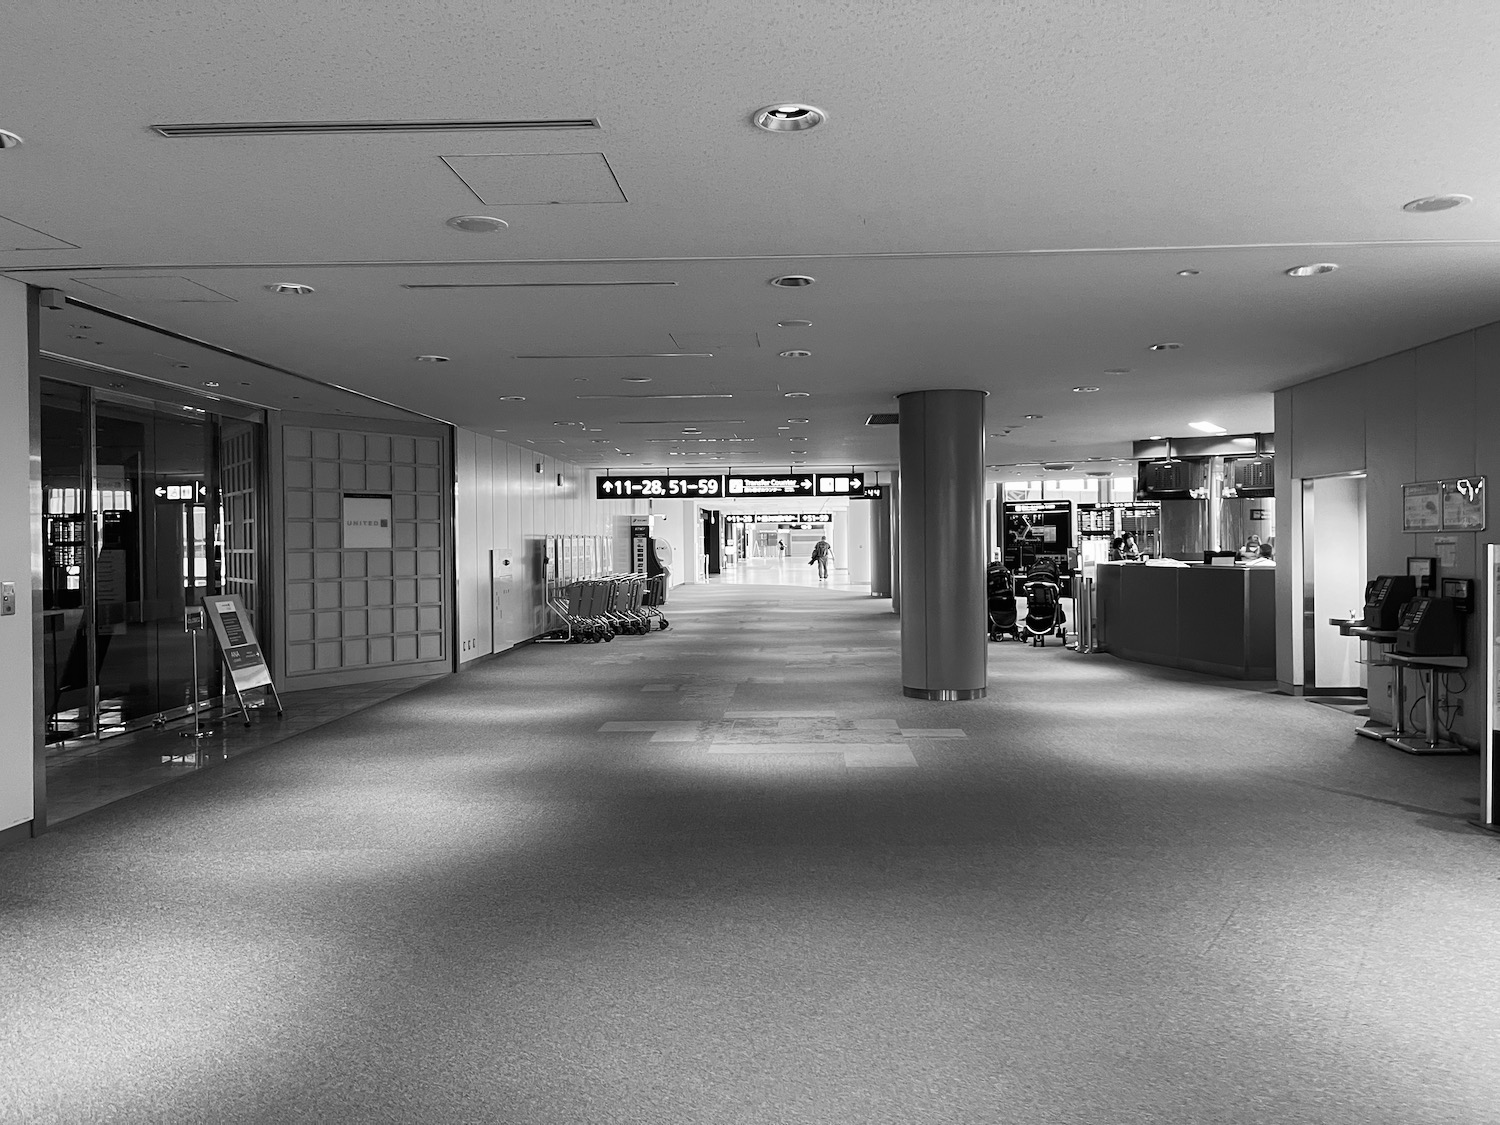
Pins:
x,y
181,492
779,517
649,486
640,536
1444,505
367,520
764,484
247,664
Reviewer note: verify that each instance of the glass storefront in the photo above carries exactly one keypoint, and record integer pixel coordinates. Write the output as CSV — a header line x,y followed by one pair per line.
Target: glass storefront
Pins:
x,y
147,507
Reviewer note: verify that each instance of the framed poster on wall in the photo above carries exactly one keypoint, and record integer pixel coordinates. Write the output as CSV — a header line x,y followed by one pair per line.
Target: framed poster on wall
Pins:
x,y
1422,506
1463,504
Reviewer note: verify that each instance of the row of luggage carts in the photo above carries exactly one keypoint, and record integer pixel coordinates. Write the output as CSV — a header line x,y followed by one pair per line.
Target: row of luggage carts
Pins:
x,y
597,609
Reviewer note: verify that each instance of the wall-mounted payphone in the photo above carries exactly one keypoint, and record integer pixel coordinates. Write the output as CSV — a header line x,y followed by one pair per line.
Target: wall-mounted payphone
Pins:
x,y
1430,627
1385,595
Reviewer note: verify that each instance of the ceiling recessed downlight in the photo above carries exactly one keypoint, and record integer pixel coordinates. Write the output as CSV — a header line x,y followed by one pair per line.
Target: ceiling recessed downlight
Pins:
x,y
290,288
793,280
210,383
1208,427
1084,390
1312,269
1032,417
797,394
1167,347
789,117
10,140
512,398
795,353
1437,203
794,324
477,224
799,421
432,359
635,378
1187,273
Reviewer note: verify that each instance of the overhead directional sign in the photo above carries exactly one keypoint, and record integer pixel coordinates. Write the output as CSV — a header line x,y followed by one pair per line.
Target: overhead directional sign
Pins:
x,y
779,517
637,486
849,484
764,484
169,492
871,492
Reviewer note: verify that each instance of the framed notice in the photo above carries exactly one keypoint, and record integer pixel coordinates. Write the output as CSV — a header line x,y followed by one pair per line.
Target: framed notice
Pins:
x,y
236,637
367,520
1422,506
1463,504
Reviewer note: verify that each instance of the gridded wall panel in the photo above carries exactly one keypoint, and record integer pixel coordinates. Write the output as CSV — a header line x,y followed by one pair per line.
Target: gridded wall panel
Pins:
x,y
364,610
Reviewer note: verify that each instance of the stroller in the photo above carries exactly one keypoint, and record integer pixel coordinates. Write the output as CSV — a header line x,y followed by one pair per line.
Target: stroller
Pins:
x,y
1000,601
1044,611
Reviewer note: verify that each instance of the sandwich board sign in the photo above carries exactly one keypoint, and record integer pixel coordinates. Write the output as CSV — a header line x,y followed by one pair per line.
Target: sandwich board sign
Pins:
x,y
247,664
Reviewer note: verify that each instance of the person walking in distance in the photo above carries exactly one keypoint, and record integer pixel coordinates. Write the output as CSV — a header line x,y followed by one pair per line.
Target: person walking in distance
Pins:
x,y
821,553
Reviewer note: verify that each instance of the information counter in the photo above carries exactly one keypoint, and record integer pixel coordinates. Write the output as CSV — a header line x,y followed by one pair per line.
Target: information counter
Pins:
x,y
1219,620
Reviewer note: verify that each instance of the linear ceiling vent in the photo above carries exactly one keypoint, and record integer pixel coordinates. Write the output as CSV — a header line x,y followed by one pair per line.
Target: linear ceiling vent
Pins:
x,y
325,128
882,419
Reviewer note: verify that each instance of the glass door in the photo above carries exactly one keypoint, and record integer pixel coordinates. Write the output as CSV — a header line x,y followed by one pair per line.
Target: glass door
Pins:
x,y
66,563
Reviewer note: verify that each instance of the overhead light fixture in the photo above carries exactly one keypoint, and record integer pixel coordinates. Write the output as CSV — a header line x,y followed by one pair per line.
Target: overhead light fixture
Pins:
x,y
10,140
1118,371
210,383
1156,437
625,355
432,359
1312,270
1032,417
795,353
1208,427
1437,203
797,394
789,117
1187,273
290,288
794,324
1084,390
635,378
477,224
1168,347
512,398
799,421
793,280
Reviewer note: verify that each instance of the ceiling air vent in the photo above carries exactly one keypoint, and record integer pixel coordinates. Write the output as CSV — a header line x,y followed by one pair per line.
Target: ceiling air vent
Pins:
x,y
335,128
882,419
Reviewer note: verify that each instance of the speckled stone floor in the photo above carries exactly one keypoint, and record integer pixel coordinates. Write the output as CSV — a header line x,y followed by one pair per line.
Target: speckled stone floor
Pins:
x,y
728,873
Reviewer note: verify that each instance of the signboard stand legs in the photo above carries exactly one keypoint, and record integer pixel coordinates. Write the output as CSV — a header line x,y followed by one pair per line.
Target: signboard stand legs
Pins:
x,y
245,707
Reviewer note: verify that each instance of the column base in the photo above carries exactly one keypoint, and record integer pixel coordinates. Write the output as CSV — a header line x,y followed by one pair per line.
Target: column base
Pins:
x,y
944,694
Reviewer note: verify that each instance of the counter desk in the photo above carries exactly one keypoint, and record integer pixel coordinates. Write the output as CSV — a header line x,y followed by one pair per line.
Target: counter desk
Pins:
x,y
1219,620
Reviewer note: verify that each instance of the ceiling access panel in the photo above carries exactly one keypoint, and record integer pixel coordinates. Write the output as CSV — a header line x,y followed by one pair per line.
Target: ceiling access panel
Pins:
x,y
18,236
531,178
180,290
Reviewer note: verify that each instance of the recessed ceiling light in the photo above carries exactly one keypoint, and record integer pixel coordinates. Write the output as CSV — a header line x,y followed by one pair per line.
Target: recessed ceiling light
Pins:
x,y
1155,437
290,288
1084,390
795,353
210,383
797,394
1437,202
797,452
432,359
1118,371
692,430
512,398
1312,270
182,366
118,386
794,324
798,421
1187,273
83,327
635,379
477,224
1208,427
793,280
1032,417
72,337
789,117
1164,347
10,140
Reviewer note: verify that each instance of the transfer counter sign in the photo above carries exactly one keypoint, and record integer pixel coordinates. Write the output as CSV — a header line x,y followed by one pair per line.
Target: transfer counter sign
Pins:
x,y
247,664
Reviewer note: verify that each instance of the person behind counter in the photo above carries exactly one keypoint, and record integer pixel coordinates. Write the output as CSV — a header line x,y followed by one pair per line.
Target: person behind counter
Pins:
x,y
1255,549
1123,548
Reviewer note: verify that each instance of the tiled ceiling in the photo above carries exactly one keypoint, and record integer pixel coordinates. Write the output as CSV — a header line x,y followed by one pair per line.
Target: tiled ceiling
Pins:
x,y
1020,197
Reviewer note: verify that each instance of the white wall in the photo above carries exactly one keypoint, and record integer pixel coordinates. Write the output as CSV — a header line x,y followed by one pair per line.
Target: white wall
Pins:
x,y
857,548
504,512
20,522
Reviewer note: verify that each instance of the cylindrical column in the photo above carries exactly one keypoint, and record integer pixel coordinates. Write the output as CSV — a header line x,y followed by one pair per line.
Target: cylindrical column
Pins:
x,y
941,517
894,512
880,546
